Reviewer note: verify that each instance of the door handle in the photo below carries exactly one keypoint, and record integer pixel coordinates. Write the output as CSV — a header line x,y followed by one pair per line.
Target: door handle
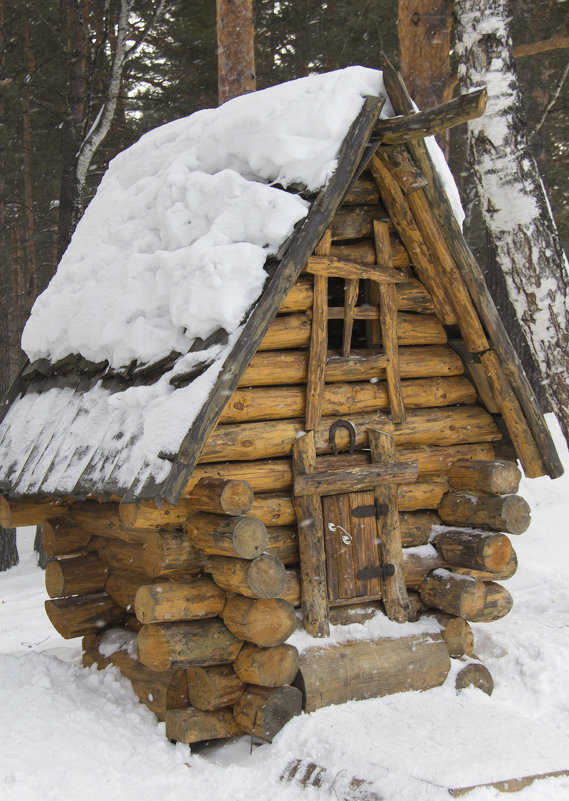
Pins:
x,y
346,536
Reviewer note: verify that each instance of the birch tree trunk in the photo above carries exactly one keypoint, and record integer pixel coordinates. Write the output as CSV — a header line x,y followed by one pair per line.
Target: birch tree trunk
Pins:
x,y
523,237
235,48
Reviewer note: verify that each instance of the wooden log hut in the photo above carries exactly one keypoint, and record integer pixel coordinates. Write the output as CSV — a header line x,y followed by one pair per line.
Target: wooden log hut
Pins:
x,y
354,455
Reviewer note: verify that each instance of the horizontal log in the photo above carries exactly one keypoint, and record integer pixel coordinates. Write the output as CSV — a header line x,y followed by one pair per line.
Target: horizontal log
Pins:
x,y
356,222
299,297
410,294
276,475
479,550
363,251
244,537
171,552
29,511
447,115
146,515
263,622
62,535
465,597
341,399
362,192
263,577
498,602
166,601
273,510
292,588
442,426
77,575
221,496
287,331
341,268
495,477
290,366
283,543
485,575
195,643
194,725
264,711
267,667
103,520
458,595
211,688
509,513
415,527
356,670
123,556
417,566
354,479
82,614
122,586
293,330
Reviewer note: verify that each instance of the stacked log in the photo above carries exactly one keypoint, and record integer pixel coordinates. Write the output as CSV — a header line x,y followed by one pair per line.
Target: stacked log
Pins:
x,y
212,583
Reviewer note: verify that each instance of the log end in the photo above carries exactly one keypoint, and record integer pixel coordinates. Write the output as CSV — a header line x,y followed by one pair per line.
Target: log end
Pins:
x,y
153,649
475,674
250,538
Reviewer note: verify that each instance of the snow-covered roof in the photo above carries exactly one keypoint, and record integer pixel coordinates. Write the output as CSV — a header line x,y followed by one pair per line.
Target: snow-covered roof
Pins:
x,y
154,291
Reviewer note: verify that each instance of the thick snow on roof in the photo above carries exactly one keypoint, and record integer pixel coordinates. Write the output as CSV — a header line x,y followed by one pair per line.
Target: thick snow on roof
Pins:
x,y
173,245
172,248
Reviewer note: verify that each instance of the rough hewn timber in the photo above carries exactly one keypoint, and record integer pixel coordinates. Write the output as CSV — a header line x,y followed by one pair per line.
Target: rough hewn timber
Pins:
x,y
194,725
263,622
243,537
497,477
509,513
170,601
263,577
433,121
81,614
267,667
211,688
310,541
263,711
356,670
195,643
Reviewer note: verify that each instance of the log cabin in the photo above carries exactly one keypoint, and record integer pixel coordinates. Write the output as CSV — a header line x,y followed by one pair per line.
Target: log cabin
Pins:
x,y
335,441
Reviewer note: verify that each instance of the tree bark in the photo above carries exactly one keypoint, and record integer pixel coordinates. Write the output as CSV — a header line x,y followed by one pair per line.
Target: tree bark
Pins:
x,y
8,548
235,48
524,242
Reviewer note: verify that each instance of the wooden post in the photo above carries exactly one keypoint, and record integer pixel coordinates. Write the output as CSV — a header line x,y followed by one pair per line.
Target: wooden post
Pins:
x,y
395,592
402,218
311,543
318,342
388,322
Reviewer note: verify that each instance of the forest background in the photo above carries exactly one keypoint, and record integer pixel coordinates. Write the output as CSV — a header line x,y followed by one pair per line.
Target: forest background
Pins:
x,y
56,65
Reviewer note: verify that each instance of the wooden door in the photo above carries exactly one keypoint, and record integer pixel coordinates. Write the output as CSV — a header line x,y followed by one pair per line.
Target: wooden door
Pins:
x,y
353,554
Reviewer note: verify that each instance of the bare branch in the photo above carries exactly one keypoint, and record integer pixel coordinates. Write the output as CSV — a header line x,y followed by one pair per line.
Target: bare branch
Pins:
x,y
553,101
158,11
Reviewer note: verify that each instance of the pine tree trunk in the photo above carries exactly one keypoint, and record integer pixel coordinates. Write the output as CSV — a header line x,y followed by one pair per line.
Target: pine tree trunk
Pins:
x,y
235,48
523,237
8,548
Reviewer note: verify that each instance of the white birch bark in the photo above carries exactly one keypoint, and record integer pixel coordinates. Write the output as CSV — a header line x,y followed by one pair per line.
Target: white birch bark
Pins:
x,y
522,231
102,123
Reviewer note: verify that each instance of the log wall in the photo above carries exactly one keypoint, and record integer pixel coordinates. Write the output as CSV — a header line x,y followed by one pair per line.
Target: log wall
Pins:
x,y
208,588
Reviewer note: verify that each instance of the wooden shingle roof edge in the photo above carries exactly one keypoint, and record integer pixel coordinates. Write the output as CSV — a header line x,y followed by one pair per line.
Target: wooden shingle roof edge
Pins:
x,y
474,280
309,233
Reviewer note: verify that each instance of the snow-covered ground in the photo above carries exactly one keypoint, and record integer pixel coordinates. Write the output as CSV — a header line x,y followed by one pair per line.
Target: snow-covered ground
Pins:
x,y
70,734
